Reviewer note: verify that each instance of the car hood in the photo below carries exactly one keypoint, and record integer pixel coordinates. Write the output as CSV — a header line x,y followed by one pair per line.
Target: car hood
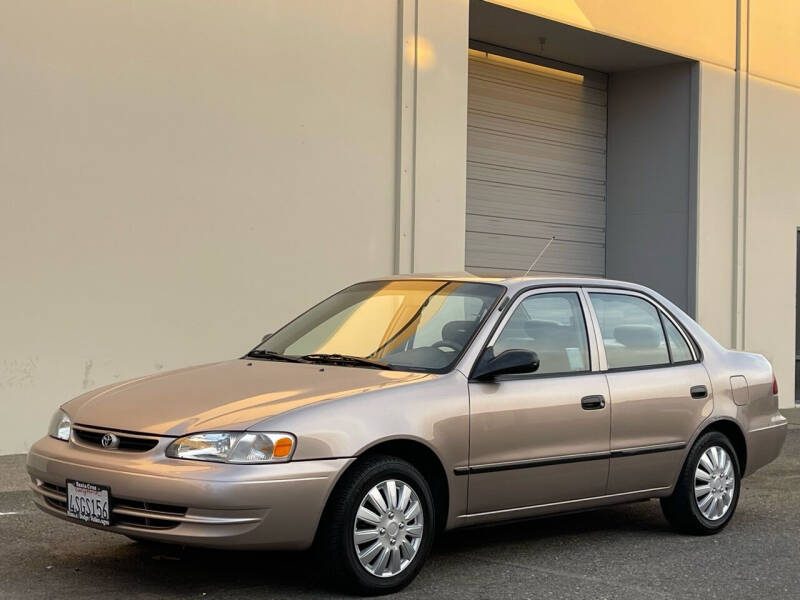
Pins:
x,y
232,395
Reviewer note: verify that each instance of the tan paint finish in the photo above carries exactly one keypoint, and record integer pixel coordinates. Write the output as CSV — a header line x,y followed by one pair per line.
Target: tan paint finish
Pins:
x,y
651,407
227,395
741,395
536,418
339,413
285,499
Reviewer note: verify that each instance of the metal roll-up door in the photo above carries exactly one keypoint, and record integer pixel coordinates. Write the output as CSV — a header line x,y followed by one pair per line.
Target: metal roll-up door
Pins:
x,y
536,168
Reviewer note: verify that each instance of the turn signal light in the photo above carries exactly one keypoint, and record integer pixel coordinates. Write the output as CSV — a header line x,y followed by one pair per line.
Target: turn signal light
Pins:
x,y
282,447
774,386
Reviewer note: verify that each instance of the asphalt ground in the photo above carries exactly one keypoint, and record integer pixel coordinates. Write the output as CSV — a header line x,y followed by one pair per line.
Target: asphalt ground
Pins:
x,y
622,552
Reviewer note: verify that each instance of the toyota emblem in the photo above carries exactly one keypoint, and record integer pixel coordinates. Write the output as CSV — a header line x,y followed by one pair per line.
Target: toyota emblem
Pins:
x,y
109,440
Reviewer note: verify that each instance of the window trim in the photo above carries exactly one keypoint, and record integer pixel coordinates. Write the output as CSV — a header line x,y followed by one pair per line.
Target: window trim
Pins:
x,y
661,311
591,341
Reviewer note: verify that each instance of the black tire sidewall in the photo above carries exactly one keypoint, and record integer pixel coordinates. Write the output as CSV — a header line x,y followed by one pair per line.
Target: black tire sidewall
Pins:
x,y
369,474
708,440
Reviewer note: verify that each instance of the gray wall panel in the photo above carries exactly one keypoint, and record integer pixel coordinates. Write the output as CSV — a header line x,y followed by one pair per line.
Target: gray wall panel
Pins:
x,y
650,205
536,167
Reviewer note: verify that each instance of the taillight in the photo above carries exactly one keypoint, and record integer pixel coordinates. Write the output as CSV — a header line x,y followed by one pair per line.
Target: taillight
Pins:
x,y
774,386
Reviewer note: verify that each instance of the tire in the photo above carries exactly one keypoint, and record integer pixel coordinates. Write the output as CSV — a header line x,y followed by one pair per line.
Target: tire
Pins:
x,y
691,507
412,529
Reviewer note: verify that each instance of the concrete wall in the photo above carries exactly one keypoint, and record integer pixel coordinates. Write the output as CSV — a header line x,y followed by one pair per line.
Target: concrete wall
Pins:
x,y
700,30
745,175
772,216
748,209
650,203
716,175
178,177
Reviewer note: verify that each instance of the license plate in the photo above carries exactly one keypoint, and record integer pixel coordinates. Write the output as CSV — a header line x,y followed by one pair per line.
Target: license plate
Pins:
x,y
89,502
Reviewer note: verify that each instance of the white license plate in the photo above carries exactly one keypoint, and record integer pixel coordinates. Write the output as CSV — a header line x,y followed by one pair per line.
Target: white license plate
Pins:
x,y
88,502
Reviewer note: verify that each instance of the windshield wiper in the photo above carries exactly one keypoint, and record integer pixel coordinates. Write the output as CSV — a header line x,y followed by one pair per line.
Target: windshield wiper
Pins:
x,y
346,359
272,355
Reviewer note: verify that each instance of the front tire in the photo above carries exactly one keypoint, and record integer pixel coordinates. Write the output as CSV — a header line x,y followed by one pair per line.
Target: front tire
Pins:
x,y
707,491
378,526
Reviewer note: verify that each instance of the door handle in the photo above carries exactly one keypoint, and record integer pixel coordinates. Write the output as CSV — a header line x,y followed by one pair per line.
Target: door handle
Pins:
x,y
593,402
699,391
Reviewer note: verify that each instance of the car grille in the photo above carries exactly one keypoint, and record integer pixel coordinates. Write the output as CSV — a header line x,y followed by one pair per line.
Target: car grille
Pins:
x,y
130,513
130,442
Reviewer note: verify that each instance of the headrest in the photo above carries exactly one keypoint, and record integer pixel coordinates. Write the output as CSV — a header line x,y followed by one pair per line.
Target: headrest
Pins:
x,y
458,332
536,328
637,336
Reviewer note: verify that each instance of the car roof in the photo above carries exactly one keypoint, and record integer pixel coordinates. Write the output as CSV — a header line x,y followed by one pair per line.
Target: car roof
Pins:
x,y
516,283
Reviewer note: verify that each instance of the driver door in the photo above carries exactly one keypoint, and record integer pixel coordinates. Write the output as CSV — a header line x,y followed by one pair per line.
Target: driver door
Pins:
x,y
542,437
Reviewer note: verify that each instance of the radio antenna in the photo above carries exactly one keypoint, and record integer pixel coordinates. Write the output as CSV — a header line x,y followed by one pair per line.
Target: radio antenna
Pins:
x,y
535,260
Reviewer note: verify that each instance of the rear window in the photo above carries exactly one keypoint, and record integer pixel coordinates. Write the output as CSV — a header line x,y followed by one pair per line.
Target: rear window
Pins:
x,y
631,330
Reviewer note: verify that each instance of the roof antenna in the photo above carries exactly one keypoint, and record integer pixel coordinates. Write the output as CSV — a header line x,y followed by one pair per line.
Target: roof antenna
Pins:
x,y
535,260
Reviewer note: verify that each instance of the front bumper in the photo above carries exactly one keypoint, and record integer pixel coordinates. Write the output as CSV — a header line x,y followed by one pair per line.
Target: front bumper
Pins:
x,y
273,506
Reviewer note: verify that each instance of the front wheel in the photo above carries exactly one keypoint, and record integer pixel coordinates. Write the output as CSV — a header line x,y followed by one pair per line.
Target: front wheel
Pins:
x,y
378,527
707,491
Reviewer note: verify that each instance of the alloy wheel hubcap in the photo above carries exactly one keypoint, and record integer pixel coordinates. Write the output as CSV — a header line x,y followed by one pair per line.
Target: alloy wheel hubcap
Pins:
x,y
714,483
388,528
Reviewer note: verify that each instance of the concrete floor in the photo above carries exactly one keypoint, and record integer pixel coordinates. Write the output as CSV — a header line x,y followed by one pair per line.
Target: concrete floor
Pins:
x,y
622,552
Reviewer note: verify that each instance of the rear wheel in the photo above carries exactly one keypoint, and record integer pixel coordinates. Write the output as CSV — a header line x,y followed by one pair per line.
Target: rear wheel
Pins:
x,y
707,491
378,527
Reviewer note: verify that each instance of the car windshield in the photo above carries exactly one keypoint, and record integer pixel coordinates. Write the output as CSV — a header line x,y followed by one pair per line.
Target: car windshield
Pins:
x,y
407,324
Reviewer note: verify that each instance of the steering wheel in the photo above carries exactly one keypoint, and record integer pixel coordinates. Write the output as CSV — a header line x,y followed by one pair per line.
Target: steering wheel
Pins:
x,y
454,346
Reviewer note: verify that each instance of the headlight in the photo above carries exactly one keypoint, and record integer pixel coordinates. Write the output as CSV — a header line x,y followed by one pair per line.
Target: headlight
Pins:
x,y
240,447
60,426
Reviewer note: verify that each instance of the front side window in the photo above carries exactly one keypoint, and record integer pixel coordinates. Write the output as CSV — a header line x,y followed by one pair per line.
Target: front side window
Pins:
x,y
415,324
552,325
631,330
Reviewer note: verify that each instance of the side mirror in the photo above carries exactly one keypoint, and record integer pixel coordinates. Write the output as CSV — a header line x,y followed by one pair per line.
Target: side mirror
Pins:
x,y
506,363
266,337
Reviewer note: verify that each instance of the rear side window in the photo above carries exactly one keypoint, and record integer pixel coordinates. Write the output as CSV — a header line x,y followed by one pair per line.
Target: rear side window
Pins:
x,y
677,344
631,330
552,325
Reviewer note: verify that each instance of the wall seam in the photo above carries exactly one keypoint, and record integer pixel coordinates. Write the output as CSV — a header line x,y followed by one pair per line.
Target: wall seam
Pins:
x,y
406,135
740,171
692,213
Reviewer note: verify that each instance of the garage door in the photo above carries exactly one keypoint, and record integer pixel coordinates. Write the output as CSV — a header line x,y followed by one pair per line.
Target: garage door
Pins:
x,y
536,168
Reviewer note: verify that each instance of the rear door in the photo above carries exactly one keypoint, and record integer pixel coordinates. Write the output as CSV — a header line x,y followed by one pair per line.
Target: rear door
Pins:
x,y
541,437
658,389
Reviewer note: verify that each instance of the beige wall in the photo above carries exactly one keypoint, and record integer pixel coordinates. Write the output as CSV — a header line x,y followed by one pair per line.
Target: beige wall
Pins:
x,y
715,204
772,220
775,40
179,176
747,176
748,198
704,30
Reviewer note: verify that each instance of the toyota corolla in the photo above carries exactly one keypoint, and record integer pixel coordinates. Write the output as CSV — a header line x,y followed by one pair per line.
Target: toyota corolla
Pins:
x,y
402,407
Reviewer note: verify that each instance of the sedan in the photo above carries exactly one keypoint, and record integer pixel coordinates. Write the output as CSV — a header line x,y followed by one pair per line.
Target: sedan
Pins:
x,y
400,408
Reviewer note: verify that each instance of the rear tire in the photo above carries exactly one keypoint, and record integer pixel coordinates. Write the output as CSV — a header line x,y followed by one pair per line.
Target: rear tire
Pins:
x,y
380,555
707,491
